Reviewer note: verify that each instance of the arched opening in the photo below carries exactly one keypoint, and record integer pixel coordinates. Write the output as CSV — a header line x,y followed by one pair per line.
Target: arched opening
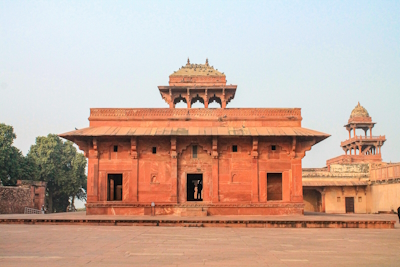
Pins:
x,y
180,102
312,200
214,102
197,102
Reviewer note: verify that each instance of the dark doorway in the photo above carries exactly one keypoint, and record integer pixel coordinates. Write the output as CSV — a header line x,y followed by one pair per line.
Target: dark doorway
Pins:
x,y
349,204
114,188
194,187
274,186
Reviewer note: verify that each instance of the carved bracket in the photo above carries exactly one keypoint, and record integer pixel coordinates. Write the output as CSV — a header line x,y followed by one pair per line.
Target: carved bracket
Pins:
x,y
255,148
293,150
215,147
84,146
134,153
173,147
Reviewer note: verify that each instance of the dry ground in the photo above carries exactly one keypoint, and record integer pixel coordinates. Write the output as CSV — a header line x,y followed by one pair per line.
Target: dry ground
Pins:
x,y
80,245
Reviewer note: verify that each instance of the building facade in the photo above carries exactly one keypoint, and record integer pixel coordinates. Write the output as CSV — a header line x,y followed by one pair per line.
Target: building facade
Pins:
x,y
358,181
195,161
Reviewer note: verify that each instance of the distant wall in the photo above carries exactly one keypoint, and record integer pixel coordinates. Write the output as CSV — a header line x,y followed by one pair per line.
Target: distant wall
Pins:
x,y
385,188
15,199
384,197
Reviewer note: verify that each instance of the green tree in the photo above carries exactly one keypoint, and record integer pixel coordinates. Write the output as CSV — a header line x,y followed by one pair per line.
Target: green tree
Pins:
x,y
13,165
62,167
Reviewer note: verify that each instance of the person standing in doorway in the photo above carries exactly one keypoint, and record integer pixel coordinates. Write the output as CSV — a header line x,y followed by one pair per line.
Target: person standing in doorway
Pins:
x,y
199,188
398,213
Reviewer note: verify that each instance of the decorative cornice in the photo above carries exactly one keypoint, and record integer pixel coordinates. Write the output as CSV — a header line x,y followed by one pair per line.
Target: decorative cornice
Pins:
x,y
168,113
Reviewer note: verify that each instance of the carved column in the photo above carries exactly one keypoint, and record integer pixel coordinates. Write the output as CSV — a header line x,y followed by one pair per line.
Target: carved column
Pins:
x,y
133,179
189,100
174,171
223,101
206,99
171,99
254,171
215,170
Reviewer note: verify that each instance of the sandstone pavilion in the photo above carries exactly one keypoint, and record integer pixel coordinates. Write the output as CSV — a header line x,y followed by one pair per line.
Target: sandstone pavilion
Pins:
x,y
195,161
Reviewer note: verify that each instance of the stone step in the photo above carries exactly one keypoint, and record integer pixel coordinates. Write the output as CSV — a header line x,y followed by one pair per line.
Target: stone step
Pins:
x,y
194,212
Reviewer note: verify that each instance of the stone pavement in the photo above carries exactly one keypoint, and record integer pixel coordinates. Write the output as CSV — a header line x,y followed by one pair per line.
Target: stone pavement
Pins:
x,y
76,245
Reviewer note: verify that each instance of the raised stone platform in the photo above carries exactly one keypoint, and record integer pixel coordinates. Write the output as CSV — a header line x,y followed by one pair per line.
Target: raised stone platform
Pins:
x,y
309,220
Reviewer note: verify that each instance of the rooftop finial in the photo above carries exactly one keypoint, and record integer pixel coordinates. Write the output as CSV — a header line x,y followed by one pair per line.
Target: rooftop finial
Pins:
x,y
206,61
188,62
358,103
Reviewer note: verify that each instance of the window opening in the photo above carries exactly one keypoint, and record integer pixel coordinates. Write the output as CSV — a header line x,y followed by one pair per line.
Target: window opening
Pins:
x,y
195,152
273,147
114,192
154,150
274,186
234,148
115,148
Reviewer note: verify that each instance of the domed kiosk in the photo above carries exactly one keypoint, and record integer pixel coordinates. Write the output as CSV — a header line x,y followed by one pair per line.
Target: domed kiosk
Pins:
x,y
360,148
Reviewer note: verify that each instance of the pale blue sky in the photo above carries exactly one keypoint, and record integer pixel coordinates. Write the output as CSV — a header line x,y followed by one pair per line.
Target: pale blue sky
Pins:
x,y
59,58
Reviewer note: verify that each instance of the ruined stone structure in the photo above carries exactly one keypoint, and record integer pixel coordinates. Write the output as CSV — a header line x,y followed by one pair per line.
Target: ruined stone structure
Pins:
x,y
195,161
358,181
14,199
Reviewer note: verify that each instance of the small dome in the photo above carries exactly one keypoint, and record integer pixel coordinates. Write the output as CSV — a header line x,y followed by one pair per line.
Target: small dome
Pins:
x,y
359,111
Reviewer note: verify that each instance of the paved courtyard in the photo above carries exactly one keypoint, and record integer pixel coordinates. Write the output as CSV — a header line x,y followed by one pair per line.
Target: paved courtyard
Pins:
x,y
76,245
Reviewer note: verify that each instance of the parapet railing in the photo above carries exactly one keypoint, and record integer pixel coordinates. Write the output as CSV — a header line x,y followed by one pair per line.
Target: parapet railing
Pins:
x,y
360,137
32,211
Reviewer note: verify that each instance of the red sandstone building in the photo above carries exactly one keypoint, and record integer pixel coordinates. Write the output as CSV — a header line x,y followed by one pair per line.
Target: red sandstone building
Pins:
x,y
246,160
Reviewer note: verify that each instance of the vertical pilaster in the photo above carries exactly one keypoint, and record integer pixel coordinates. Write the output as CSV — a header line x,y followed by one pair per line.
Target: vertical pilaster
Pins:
x,y
133,179
174,171
93,171
215,170
297,192
254,172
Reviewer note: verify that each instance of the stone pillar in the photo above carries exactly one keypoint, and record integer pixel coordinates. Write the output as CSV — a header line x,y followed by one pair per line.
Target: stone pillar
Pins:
x,y
174,172
188,99
349,134
223,102
354,132
323,200
370,132
215,170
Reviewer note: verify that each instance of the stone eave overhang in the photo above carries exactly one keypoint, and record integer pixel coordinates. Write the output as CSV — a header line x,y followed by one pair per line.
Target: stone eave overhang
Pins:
x,y
117,131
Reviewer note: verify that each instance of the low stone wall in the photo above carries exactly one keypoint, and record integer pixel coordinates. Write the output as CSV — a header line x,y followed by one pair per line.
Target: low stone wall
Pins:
x,y
15,199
